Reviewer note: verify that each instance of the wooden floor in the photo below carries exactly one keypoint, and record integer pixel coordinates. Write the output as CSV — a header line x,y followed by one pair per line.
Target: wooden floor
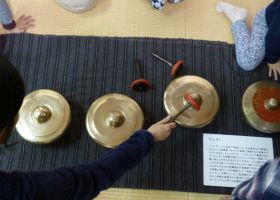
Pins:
x,y
132,194
191,19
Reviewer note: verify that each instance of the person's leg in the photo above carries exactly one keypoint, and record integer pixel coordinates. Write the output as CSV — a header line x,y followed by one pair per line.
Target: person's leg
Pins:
x,y
76,6
157,4
250,51
250,46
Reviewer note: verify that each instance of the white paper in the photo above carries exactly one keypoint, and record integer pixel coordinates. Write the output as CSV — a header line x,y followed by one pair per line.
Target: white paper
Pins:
x,y
229,160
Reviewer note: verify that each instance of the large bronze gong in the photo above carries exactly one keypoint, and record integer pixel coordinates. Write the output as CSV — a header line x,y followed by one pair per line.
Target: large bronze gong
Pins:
x,y
113,118
261,106
43,116
202,91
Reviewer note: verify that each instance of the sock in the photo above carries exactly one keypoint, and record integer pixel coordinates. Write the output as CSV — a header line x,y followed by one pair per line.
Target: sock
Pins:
x,y
158,4
175,1
234,13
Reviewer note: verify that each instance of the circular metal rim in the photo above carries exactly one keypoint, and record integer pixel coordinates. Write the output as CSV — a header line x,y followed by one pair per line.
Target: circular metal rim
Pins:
x,y
216,97
104,97
61,129
250,91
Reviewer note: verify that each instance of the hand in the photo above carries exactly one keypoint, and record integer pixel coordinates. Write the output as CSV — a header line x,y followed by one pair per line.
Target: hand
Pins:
x,y
162,129
275,68
22,24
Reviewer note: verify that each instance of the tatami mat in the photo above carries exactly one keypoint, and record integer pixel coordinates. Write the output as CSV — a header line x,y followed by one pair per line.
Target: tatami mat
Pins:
x,y
133,194
192,19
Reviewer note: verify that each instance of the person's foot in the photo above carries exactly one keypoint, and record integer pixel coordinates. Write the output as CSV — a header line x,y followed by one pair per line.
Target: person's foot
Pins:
x,y
234,13
175,1
158,4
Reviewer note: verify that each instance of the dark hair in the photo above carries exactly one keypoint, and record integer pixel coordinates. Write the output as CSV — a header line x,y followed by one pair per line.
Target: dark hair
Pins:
x,y
11,97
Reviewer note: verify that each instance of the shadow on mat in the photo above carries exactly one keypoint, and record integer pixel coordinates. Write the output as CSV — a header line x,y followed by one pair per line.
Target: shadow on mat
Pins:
x,y
2,44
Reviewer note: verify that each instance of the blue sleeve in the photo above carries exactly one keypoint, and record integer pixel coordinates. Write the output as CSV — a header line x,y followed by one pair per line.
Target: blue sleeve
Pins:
x,y
80,182
5,13
272,40
263,186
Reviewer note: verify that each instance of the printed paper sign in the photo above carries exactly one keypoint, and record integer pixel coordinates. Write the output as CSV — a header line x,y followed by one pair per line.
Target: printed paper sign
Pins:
x,y
229,160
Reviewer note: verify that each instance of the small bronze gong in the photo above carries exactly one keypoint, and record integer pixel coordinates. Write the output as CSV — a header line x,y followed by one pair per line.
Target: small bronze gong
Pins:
x,y
113,118
202,91
261,106
43,116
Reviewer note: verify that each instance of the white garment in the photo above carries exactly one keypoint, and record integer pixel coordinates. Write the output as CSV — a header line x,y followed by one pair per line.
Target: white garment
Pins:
x,y
76,6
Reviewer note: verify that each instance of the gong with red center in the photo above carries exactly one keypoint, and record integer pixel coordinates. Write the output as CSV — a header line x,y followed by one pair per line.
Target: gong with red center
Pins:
x,y
196,94
261,106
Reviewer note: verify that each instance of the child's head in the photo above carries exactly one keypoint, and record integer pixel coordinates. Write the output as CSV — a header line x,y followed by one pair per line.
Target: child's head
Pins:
x,y
11,97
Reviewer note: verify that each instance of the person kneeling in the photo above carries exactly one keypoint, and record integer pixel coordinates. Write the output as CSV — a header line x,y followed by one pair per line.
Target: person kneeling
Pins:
x,y
77,6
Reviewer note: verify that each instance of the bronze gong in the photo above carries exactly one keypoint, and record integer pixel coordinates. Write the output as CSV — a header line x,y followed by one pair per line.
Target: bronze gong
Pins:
x,y
261,106
43,116
202,91
113,118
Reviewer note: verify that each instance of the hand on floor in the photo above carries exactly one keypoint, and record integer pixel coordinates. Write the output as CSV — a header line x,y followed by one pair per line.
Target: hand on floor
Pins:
x,y
162,129
275,68
22,24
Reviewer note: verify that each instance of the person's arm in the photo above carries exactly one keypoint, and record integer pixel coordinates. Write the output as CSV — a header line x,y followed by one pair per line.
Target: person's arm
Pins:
x,y
272,39
84,181
18,26
263,186
6,16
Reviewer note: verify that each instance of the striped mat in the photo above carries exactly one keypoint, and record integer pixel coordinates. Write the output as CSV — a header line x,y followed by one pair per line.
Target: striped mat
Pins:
x,y
85,68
